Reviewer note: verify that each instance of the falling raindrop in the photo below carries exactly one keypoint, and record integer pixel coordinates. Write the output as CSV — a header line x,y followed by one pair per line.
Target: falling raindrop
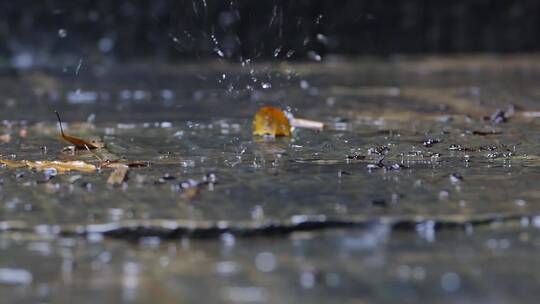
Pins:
x,y
78,69
314,56
266,85
62,33
322,39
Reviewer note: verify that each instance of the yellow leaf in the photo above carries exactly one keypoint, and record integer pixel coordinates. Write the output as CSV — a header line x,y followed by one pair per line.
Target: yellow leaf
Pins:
x,y
60,166
271,121
13,163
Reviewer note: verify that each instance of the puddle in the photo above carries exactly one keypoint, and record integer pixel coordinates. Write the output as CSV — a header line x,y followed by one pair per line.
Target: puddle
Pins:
x,y
414,147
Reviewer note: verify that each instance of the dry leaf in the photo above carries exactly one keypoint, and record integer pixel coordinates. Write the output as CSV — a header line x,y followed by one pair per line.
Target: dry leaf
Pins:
x,y
118,176
271,121
77,142
13,164
60,166
5,138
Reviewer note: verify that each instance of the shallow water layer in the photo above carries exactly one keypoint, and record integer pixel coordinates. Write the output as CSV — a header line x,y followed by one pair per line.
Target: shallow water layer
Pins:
x,y
415,162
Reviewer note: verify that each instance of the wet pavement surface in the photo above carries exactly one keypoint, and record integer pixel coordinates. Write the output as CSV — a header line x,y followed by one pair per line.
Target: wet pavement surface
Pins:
x,y
422,187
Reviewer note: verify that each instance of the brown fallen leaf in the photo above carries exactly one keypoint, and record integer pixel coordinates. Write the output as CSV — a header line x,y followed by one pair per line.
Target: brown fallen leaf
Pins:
x,y
271,121
79,143
118,176
5,138
60,166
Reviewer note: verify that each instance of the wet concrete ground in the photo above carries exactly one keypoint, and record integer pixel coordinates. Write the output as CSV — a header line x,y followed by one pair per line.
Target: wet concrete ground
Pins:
x,y
420,190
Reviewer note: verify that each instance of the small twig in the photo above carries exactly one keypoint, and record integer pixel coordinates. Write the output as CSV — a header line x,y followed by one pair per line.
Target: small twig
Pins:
x,y
307,124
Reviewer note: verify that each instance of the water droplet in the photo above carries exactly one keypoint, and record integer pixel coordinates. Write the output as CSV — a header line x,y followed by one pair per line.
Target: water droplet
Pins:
x,y
219,52
314,56
266,85
62,33
322,39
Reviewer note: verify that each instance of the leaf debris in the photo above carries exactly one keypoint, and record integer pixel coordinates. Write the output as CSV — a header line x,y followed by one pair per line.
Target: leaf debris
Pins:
x,y
60,166
271,121
79,143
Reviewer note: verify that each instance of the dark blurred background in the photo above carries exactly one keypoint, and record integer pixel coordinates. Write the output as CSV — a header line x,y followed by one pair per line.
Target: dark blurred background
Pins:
x,y
123,30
